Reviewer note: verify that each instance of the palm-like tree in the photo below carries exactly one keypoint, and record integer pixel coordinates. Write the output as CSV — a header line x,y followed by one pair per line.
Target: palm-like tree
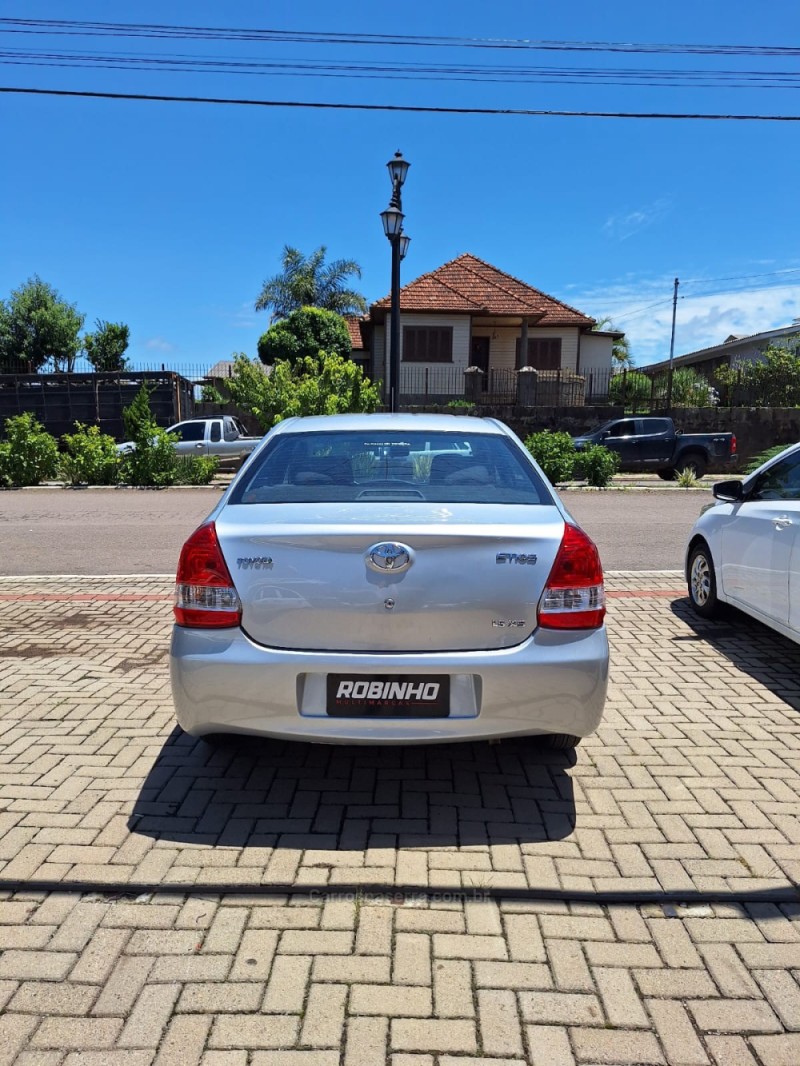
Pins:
x,y
308,281
620,349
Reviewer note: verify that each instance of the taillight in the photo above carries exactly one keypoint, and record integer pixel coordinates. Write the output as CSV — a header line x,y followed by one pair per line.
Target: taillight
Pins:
x,y
574,597
205,597
733,444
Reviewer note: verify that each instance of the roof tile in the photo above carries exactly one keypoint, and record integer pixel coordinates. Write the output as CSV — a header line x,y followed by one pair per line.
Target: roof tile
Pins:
x,y
470,285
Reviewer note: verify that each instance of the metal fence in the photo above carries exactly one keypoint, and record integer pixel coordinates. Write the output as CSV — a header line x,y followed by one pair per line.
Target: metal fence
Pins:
x,y
60,400
196,372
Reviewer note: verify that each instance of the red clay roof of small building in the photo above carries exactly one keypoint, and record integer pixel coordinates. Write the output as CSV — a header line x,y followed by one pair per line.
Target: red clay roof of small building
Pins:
x,y
357,327
469,285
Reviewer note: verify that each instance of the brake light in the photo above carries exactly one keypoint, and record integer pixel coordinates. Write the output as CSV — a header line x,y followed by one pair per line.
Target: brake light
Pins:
x,y
574,597
205,596
733,444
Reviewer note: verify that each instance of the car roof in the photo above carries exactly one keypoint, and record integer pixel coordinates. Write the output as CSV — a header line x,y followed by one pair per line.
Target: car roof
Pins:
x,y
401,422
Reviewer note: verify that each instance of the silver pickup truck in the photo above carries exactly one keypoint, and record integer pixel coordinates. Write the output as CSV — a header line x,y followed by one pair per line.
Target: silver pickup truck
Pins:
x,y
224,437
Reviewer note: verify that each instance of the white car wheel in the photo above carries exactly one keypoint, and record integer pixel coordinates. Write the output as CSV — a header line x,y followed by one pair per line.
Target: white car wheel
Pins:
x,y
702,581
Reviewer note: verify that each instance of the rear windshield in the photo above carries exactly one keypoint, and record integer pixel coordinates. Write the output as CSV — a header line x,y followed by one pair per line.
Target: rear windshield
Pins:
x,y
390,466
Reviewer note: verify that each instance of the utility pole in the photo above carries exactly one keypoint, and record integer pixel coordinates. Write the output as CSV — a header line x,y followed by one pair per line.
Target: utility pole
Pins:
x,y
672,342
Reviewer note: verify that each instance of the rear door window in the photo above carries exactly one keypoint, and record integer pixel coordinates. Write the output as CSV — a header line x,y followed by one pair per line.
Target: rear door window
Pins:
x,y
623,429
189,430
215,433
385,466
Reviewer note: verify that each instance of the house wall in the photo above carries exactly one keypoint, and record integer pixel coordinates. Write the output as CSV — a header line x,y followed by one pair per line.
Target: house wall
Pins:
x,y
441,377
379,369
503,347
596,353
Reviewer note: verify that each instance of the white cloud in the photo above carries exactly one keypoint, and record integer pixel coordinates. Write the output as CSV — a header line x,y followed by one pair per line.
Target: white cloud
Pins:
x,y
622,226
159,344
701,321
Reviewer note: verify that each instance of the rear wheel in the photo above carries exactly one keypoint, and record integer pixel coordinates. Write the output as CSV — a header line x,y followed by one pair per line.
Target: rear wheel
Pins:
x,y
694,462
560,741
702,581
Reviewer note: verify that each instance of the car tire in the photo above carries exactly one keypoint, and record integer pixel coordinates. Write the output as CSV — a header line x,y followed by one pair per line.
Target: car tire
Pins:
x,y
694,462
560,741
702,581
666,475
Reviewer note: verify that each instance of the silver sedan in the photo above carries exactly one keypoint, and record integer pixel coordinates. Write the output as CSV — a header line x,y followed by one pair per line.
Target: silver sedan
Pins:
x,y
390,579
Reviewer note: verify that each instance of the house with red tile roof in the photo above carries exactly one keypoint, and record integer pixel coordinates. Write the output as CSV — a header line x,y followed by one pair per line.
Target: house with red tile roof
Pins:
x,y
468,313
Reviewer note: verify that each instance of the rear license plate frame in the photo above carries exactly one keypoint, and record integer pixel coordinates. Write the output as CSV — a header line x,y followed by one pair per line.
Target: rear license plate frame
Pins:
x,y
362,700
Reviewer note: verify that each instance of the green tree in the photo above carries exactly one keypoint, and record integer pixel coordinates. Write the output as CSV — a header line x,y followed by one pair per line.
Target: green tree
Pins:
x,y
308,281
771,382
326,384
38,327
620,347
308,331
105,348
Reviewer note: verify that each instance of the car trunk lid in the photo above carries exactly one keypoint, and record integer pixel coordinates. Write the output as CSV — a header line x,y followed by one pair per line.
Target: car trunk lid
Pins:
x,y
307,579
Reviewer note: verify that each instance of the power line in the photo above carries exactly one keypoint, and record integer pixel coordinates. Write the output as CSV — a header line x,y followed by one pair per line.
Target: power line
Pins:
x,y
68,27
611,76
740,289
407,108
743,277
640,310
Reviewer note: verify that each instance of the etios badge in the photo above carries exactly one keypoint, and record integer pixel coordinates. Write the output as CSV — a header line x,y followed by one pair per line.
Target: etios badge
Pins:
x,y
389,557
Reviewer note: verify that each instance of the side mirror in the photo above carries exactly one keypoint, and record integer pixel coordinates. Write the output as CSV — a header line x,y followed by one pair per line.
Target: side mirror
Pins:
x,y
730,491
604,434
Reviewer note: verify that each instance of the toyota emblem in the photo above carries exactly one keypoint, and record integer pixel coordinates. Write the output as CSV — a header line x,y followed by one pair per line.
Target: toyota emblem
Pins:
x,y
389,557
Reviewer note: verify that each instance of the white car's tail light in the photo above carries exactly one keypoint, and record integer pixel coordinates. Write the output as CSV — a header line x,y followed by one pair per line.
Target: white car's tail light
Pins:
x,y
574,597
205,596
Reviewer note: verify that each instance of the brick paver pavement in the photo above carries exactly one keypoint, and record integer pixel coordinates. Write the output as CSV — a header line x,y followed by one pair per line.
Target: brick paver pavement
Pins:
x,y
271,904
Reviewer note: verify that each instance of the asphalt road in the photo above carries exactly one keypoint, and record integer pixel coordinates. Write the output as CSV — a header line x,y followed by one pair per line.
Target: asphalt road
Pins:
x,y
125,531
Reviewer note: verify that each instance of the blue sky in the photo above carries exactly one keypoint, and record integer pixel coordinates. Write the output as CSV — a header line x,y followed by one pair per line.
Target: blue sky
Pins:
x,y
169,216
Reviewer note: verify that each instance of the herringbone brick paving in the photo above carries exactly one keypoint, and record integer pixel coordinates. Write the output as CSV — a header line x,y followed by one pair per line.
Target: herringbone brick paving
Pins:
x,y
271,904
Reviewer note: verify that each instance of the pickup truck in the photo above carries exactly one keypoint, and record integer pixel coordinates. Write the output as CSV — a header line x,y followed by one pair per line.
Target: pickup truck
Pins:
x,y
224,437
654,444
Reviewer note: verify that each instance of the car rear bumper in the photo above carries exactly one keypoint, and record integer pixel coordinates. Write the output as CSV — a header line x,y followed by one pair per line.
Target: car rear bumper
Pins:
x,y
554,682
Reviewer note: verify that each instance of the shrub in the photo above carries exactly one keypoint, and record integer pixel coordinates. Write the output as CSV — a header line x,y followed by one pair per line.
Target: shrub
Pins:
x,y
554,452
91,457
462,405
325,385
196,469
687,478
631,389
153,460
152,464
598,464
29,454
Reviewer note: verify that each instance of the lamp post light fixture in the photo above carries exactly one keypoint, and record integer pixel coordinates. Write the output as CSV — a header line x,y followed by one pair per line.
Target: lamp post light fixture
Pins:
x,y
392,219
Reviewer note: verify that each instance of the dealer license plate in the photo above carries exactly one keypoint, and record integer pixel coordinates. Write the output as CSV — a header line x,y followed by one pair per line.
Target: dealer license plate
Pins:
x,y
388,695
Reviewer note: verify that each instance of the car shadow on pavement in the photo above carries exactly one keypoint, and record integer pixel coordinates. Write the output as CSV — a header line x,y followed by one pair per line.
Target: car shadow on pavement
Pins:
x,y
253,792
768,657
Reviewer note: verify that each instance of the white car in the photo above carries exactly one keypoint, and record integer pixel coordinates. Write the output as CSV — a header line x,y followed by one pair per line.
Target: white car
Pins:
x,y
745,549
344,590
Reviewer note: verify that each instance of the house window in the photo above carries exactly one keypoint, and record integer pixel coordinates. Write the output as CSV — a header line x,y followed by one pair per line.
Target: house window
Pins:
x,y
427,344
544,353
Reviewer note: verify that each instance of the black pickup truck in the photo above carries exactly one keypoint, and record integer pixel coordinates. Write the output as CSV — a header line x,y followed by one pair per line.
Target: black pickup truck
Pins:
x,y
654,444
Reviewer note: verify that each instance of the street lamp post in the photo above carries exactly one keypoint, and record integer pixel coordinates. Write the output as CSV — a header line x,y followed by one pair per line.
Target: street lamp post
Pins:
x,y
392,219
